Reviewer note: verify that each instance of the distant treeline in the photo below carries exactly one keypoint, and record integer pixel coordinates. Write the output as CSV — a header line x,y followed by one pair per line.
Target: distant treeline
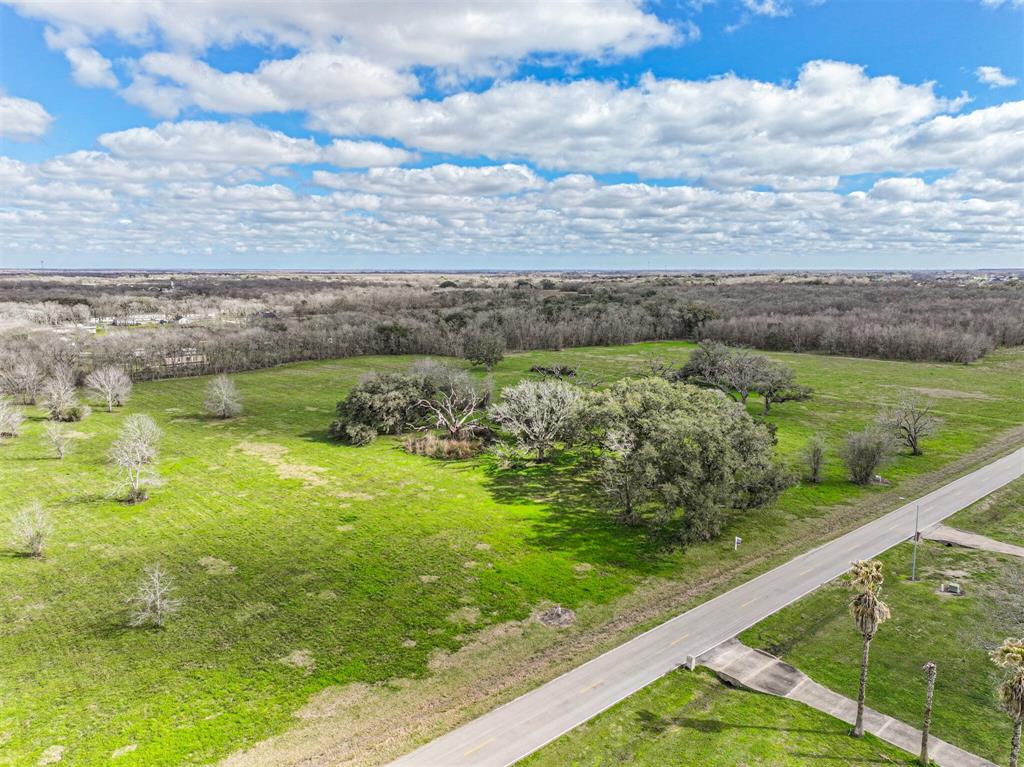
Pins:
x,y
211,323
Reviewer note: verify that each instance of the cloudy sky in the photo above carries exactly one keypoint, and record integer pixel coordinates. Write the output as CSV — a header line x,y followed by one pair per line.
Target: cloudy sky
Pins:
x,y
589,134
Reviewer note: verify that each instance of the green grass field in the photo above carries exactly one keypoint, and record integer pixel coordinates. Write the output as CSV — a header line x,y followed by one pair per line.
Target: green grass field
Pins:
x,y
693,720
304,564
999,516
817,635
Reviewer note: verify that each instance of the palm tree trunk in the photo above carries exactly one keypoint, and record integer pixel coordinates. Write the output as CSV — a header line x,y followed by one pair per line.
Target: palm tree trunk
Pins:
x,y
1015,747
858,727
929,695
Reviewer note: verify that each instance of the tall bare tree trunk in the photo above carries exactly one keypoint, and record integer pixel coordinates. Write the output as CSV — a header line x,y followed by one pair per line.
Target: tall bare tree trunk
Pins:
x,y
1015,746
931,671
858,727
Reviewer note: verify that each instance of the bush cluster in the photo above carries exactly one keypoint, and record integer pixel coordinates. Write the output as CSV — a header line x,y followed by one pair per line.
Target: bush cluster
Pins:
x,y
432,446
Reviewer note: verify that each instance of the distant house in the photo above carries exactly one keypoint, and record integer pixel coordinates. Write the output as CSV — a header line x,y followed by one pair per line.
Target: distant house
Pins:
x,y
184,357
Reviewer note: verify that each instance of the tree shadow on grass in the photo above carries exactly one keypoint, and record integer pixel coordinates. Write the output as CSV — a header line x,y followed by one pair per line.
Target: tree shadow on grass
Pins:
x,y
575,518
115,626
322,436
655,724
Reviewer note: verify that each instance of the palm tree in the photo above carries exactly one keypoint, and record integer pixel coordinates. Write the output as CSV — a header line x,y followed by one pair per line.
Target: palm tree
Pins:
x,y
1010,655
869,612
930,671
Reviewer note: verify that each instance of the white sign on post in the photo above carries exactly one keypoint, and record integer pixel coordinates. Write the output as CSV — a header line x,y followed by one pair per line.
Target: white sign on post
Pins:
x,y
736,543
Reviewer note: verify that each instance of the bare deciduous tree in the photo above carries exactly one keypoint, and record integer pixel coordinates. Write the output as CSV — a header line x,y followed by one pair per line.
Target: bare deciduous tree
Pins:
x,y
22,379
10,419
910,420
152,603
30,529
111,384
222,398
133,453
814,453
61,397
536,413
455,401
58,439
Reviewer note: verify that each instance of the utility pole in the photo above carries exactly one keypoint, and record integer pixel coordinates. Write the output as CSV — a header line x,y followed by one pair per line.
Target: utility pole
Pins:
x,y
917,537
930,672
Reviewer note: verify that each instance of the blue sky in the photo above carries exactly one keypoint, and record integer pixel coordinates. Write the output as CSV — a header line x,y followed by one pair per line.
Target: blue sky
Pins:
x,y
728,134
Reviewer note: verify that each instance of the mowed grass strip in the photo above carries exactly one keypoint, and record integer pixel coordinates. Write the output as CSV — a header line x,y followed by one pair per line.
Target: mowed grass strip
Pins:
x,y
303,563
817,636
999,516
690,719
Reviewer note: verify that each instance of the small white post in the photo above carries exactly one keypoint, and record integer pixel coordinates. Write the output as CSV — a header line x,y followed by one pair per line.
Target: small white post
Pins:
x,y
736,542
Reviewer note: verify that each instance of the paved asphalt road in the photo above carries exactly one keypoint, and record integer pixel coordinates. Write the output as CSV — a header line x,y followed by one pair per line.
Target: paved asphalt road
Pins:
x,y
518,728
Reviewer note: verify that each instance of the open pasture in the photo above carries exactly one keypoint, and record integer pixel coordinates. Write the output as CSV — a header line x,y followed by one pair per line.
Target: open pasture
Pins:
x,y
303,563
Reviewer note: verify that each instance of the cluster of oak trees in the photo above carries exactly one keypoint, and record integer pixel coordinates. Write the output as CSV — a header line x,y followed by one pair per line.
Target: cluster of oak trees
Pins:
x,y
675,449
667,454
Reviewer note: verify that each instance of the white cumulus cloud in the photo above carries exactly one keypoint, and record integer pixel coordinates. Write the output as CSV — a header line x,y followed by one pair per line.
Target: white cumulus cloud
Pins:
x,y
405,33
23,119
993,77
166,83
211,142
726,131
90,68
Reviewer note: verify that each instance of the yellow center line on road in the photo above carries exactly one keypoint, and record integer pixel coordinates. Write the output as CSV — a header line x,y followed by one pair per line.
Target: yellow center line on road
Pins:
x,y
477,748
677,641
806,571
749,602
591,687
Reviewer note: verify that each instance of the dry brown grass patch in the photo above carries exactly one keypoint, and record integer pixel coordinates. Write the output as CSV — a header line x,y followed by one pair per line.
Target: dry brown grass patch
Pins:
x,y
274,455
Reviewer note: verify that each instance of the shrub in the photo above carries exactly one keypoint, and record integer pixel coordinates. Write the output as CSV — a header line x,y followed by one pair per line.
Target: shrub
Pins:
x,y
359,434
509,455
555,371
30,528
432,446
382,403
864,452
814,454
